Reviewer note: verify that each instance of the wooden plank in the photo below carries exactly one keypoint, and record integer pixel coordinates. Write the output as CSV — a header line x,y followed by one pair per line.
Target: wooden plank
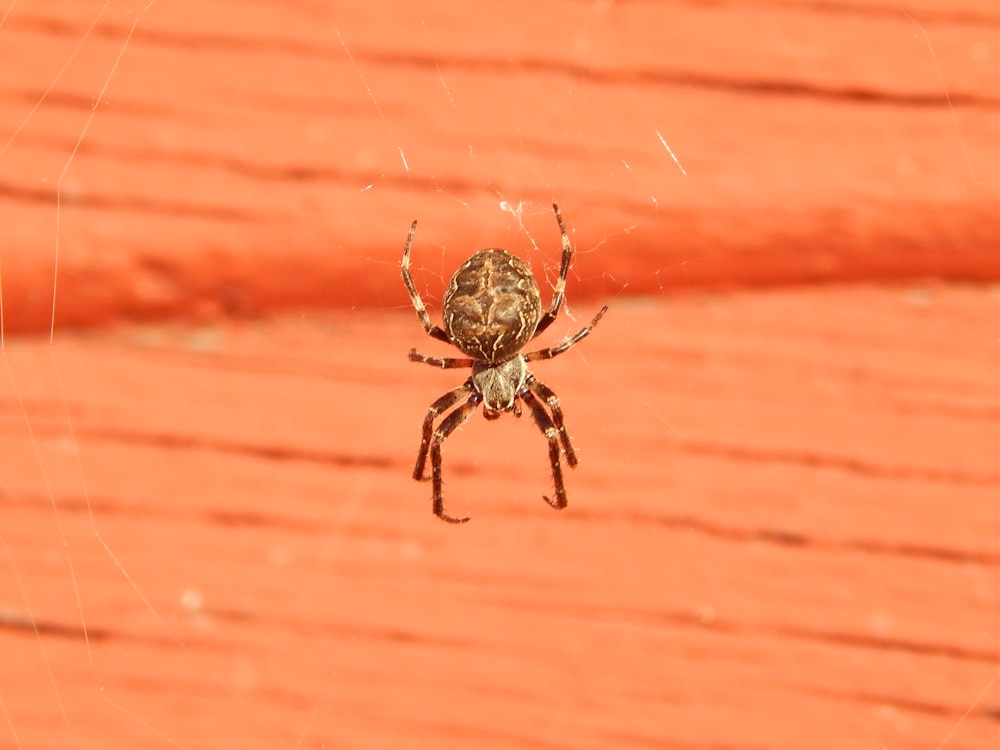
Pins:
x,y
243,157
784,526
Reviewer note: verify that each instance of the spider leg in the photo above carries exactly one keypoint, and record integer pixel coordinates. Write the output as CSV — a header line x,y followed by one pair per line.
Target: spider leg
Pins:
x,y
442,404
560,290
549,396
552,351
447,426
544,422
418,304
445,363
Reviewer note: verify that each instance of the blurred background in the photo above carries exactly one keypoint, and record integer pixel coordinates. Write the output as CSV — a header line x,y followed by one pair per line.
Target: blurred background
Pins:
x,y
783,531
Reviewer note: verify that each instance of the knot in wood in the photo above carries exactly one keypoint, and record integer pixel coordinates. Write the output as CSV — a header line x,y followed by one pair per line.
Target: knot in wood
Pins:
x,y
492,306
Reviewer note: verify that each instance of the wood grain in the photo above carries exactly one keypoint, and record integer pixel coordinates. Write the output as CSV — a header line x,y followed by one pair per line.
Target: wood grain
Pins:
x,y
783,532
252,156
786,528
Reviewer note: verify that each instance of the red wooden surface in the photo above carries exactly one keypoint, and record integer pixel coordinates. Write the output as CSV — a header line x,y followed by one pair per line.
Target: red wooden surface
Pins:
x,y
783,532
245,156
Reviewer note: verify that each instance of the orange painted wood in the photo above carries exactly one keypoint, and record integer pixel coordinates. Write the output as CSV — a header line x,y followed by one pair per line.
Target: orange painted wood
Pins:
x,y
248,156
783,532
784,526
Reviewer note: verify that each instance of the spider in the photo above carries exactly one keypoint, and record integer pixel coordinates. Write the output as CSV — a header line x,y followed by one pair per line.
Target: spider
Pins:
x,y
492,309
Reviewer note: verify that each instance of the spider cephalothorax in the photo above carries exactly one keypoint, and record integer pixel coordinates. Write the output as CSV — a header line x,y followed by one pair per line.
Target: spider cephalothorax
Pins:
x,y
491,310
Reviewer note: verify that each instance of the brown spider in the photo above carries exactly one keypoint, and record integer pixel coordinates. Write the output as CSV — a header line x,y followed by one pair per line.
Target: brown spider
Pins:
x,y
491,310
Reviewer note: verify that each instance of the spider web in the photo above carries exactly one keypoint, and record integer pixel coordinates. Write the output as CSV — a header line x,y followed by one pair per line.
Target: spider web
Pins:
x,y
84,545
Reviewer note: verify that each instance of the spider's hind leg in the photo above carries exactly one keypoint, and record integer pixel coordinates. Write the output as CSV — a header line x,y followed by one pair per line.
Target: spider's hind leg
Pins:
x,y
434,331
560,291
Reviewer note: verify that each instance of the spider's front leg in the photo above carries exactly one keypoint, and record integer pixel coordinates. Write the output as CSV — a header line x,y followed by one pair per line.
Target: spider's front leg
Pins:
x,y
544,422
549,396
444,403
448,425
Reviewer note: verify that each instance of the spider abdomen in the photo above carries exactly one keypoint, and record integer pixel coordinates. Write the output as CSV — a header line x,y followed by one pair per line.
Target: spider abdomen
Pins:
x,y
492,306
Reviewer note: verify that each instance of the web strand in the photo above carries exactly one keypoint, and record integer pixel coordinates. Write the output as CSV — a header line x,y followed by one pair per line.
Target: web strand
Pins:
x,y
76,147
